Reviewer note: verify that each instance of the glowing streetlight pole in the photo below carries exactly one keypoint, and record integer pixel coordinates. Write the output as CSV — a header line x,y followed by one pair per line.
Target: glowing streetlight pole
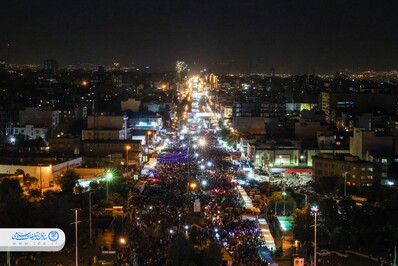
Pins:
x,y
89,203
41,181
76,238
127,160
345,184
108,177
284,197
315,211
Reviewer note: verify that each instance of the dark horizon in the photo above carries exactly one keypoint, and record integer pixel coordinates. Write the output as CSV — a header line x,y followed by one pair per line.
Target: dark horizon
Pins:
x,y
314,37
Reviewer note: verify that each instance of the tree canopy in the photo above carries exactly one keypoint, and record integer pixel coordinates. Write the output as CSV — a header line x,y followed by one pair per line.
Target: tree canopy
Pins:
x,y
67,181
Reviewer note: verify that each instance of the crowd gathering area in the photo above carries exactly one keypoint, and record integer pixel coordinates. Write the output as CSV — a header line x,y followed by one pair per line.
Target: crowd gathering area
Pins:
x,y
191,211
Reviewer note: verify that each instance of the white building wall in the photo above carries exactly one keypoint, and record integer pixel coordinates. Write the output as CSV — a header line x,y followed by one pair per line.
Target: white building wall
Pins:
x,y
31,132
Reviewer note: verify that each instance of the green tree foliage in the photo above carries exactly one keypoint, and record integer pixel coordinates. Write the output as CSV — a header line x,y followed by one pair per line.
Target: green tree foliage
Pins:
x,y
327,184
35,193
268,188
13,205
116,199
346,224
94,185
302,223
29,181
212,255
181,251
67,181
280,200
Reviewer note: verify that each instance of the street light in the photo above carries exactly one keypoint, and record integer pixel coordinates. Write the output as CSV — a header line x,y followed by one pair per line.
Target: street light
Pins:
x,y
193,185
284,198
149,135
89,204
345,184
128,147
109,176
202,142
76,238
315,210
41,181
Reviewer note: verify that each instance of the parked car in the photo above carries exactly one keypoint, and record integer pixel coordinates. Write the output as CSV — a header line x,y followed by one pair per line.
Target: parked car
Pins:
x,y
323,253
342,254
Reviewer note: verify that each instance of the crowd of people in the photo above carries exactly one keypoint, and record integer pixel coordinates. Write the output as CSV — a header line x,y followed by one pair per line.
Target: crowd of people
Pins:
x,y
166,207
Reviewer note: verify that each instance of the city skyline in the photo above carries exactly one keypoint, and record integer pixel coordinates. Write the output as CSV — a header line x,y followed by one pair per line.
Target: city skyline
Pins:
x,y
224,36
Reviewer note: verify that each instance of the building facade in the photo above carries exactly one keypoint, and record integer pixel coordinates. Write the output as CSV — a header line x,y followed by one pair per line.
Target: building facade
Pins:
x,y
356,172
31,132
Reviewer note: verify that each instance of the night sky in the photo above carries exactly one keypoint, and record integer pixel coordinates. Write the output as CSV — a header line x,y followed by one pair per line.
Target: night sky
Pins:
x,y
297,36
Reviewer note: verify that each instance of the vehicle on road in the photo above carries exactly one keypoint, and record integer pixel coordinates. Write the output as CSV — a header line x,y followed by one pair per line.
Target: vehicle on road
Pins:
x,y
323,253
342,254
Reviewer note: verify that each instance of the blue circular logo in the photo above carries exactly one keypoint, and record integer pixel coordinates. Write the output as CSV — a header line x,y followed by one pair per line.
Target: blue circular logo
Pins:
x,y
53,235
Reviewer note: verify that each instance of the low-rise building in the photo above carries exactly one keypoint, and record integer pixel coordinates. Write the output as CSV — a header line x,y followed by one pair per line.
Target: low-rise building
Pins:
x,y
308,129
357,172
105,148
31,132
148,122
36,116
44,172
65,145
109,134
364,141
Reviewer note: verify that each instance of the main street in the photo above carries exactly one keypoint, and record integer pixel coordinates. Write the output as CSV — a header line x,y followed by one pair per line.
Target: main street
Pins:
x,y
190,204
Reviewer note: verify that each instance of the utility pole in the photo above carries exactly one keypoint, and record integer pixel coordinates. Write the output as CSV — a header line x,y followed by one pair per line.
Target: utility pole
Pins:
x,y
315,211
284,197
345,184
76,238
41,181
89,202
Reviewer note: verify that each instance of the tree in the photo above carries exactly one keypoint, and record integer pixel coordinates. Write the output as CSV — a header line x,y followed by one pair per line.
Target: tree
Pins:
x,y
280,200
181,252
212,255
67,181
28,180
327,184
93,185
302,223
13,205
116,199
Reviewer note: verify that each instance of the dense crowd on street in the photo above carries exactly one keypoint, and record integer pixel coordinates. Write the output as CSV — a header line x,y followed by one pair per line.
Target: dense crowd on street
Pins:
x,y
166,208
